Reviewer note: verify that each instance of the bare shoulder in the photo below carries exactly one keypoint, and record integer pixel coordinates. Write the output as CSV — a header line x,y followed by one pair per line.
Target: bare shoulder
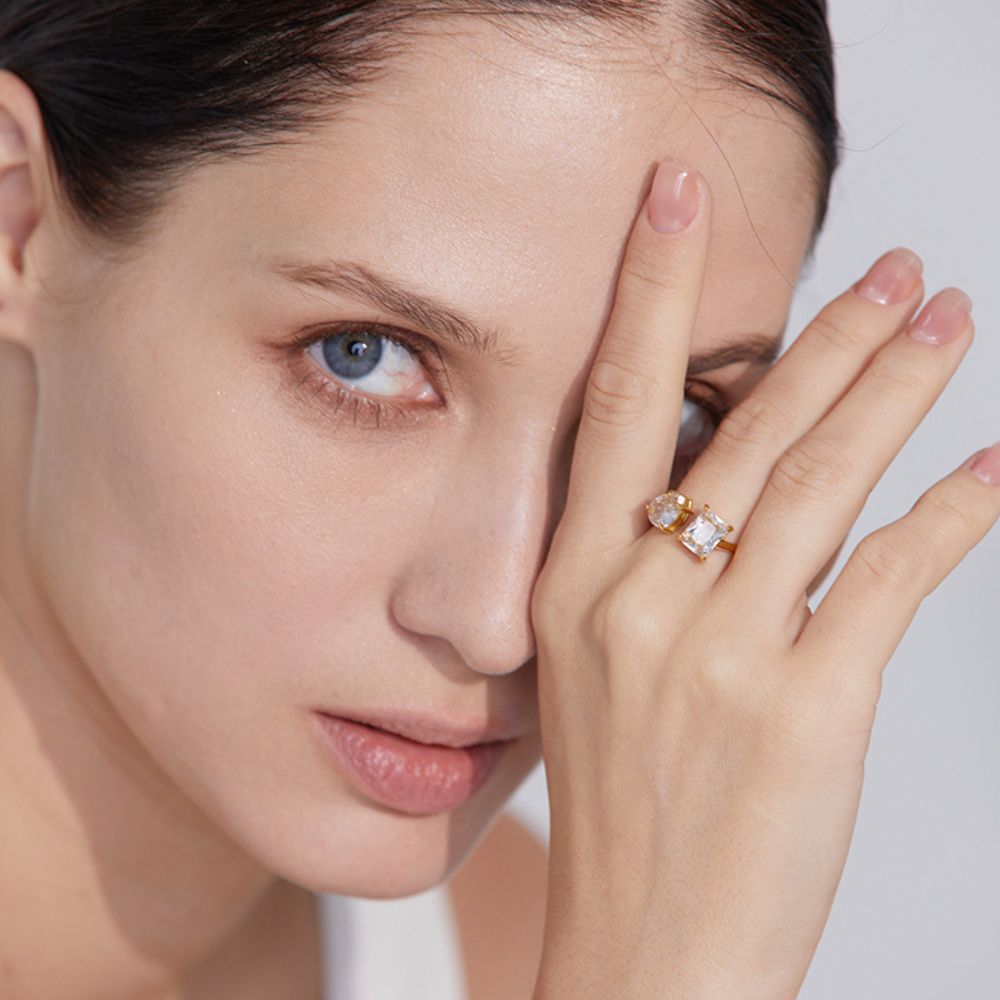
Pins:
x,y
498,901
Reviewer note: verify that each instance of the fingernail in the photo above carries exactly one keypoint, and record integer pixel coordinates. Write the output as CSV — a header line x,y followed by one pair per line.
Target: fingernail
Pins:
x,y
892,278
943,318
987,466
674,199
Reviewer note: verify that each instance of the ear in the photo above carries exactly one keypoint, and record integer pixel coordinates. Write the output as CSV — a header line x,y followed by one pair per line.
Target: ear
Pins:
x,y
24,188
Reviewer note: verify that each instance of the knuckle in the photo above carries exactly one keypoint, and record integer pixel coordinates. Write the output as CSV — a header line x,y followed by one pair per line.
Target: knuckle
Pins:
x,y
617,394
629,619
949,516
811,469
723,687
645,273
890,377
758,420
834,328
889,560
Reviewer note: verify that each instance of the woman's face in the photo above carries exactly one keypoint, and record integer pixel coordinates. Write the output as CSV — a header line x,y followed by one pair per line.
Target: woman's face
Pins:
x,y
230,546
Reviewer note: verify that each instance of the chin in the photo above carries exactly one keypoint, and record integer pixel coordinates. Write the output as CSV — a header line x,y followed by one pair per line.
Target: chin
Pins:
x,y
334,839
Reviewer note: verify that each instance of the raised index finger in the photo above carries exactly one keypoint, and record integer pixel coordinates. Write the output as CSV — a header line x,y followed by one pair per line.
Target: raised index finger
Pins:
x,y
625,443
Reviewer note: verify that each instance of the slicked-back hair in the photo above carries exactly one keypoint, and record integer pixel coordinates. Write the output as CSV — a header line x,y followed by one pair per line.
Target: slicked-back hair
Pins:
x,y
133,93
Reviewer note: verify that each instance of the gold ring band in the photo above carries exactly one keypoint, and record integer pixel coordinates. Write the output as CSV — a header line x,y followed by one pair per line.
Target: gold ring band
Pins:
x,y
701,533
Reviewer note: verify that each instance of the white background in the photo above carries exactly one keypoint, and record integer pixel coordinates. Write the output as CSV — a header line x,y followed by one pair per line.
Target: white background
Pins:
x,y
917,914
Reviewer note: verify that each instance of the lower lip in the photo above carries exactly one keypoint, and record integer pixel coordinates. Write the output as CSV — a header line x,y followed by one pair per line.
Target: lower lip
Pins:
x,y
404,774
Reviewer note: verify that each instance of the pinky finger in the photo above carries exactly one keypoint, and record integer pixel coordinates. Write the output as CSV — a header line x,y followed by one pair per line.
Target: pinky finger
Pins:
x,y
868,608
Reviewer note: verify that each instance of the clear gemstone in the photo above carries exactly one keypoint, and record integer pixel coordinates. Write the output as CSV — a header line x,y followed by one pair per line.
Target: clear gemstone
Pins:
x,y
664,511
703,533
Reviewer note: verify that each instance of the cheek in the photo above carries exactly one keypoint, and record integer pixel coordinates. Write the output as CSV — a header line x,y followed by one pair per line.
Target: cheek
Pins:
x,y
181,544
220,568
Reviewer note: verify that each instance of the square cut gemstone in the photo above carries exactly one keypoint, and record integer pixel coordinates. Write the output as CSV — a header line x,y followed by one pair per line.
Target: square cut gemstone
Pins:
x,y
703,533
664,511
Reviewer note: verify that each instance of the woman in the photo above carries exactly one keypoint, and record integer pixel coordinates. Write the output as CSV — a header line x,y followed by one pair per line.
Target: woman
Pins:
x,y
345,363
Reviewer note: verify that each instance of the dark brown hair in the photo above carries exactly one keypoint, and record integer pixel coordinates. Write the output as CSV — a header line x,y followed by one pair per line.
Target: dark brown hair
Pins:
x,y
134,92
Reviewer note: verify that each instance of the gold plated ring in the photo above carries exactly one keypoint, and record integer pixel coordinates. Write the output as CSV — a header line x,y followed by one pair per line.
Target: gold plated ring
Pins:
x,y
701,533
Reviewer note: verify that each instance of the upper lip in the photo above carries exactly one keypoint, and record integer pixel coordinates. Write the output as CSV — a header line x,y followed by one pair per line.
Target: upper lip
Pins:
x,y
427,727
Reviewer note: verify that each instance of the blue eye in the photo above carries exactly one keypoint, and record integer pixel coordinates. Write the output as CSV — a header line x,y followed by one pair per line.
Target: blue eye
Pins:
x,y
370,361
374,373
345,355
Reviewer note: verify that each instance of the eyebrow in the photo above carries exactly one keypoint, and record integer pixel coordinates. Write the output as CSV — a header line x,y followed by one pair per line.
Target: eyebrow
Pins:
x,y
450,324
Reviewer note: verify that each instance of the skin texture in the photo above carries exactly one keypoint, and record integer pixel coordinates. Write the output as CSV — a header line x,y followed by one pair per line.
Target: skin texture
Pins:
x,y
198,552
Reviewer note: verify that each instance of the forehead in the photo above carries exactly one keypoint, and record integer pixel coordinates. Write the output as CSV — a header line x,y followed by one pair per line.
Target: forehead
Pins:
x,y
501,171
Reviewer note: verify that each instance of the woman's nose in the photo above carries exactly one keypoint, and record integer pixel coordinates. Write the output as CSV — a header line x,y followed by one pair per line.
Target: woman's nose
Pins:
x,y
481,546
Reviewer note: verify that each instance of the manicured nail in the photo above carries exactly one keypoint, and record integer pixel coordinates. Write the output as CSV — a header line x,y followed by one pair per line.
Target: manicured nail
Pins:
x,y
674,199
943,318
892,278
987,466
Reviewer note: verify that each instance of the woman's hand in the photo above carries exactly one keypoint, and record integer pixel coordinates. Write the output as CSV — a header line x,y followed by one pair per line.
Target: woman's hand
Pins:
x,y
704,732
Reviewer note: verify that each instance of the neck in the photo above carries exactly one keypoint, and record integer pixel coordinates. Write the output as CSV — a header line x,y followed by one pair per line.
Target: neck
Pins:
x,y
139,891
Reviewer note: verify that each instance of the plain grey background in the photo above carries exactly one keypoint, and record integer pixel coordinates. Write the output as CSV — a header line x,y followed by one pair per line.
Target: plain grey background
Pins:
x,y
917,913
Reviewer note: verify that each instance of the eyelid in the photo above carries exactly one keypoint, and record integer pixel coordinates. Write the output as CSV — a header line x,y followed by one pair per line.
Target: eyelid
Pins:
x,y
716,404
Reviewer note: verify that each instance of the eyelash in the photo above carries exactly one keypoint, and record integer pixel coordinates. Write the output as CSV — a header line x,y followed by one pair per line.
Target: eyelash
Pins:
x,y
426,352
714,407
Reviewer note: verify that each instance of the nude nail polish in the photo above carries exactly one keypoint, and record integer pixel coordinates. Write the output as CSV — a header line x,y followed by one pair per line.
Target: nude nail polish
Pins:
x,y
987,466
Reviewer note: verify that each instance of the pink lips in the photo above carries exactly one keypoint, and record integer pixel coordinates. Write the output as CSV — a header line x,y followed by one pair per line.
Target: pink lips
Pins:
x,y
404,774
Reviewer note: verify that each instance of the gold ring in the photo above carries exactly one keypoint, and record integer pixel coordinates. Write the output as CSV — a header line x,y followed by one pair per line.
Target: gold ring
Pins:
x,y
702,533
